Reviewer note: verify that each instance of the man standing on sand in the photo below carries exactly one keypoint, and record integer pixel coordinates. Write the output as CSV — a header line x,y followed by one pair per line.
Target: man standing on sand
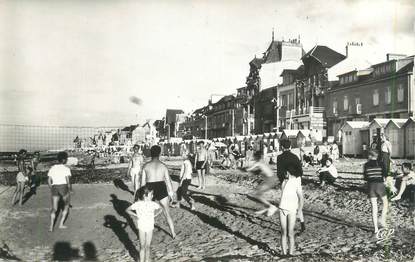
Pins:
x,y
201,162
385,152
156,177
134,167
60,186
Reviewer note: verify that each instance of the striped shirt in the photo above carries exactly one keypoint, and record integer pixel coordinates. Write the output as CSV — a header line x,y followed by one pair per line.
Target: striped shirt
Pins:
x,y
373,172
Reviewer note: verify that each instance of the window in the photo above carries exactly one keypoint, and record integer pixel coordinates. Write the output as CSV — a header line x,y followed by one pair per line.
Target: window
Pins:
x,y
335,107
357,100
346,103
342,80
375,97
400,93
388,95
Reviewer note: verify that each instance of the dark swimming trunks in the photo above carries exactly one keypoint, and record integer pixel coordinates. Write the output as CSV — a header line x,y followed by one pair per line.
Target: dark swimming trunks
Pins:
x,y
199,165
159,189
60,190
376,189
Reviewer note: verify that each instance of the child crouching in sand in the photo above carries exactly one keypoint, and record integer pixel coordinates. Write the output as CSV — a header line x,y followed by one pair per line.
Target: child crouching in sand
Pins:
x,y
144,212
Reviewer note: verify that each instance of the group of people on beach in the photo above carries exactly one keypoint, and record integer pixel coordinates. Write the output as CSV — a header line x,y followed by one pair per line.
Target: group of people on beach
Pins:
x,y
154,192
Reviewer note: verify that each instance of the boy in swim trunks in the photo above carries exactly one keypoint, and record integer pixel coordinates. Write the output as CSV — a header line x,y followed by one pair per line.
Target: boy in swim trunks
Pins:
x,y
290,172
134,167
21,177
201,162
408,182
60,187
374,173
156,177
269,182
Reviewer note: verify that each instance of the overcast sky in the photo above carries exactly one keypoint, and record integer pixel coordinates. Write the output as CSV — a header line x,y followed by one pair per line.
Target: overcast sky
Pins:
x,y
78,62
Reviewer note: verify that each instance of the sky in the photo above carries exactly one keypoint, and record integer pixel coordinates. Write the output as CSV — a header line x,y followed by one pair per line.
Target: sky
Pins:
x,y
78,63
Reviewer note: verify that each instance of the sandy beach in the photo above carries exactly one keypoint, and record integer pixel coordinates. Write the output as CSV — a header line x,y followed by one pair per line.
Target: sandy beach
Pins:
x,y
222,228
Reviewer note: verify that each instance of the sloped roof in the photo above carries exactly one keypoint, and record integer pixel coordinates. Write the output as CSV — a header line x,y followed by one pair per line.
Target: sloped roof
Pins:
x,y
226,99
325,55
257,62
410,120
397,122
382,121
357,124
290,133
273,53
304,132
129,128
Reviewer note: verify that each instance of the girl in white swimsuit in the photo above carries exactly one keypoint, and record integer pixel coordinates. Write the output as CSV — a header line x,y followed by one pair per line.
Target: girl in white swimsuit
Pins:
x,y
291,201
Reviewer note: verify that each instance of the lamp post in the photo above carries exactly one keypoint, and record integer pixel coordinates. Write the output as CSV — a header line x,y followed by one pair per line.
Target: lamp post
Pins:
x,y
276,103
206,126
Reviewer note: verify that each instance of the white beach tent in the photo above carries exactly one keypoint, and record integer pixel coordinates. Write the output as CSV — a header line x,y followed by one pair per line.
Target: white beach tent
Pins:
x,y
409,130
375,125
303,137
290,134
394,131
352,138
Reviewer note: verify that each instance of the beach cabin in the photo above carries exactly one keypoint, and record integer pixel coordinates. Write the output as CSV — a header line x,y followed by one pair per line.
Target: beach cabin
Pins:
x,y
303,137
290,134
409,131
396,135
376,127
352,137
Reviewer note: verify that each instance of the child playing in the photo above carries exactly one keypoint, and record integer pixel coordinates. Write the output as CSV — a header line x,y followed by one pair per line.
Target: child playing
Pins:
x,y
375,174
408,182
328,173
270,182
22,177
21,180
289,171
144,212
185,180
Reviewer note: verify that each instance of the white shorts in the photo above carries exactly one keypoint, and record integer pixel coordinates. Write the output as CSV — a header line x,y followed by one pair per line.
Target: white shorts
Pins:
x,y
135,171
21,178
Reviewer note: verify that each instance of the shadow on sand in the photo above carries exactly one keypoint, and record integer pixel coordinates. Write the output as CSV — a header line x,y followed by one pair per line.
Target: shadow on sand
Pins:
x,y
118,227
120,206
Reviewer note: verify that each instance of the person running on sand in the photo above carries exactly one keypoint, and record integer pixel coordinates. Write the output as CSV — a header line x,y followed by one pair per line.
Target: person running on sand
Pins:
x,y
374,174
134,167
201,162
156,176
408,182
328,173
269,182
289,172
60,187
185,181
144,212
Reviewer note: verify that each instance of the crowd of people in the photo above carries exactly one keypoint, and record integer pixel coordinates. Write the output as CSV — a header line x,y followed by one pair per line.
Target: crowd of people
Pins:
x,y
154,192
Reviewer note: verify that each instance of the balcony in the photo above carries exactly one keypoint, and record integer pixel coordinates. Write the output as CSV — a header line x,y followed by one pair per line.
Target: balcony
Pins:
x,y
305,111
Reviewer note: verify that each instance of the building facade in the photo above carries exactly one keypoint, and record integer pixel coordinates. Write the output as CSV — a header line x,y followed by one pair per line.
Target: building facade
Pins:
x,y
385,90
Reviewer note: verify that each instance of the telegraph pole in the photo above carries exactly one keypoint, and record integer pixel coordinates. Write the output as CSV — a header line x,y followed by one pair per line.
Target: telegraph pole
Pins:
x,y
233,122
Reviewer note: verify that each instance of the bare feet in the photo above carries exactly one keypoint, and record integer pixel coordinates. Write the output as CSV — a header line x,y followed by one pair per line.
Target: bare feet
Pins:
x,y
63,227
51,229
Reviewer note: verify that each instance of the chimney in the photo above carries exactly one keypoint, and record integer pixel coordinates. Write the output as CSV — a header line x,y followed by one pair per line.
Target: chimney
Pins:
x,y
347,49
390,56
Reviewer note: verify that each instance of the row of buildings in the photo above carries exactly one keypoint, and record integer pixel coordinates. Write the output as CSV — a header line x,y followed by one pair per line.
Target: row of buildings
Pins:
x,y
288,88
